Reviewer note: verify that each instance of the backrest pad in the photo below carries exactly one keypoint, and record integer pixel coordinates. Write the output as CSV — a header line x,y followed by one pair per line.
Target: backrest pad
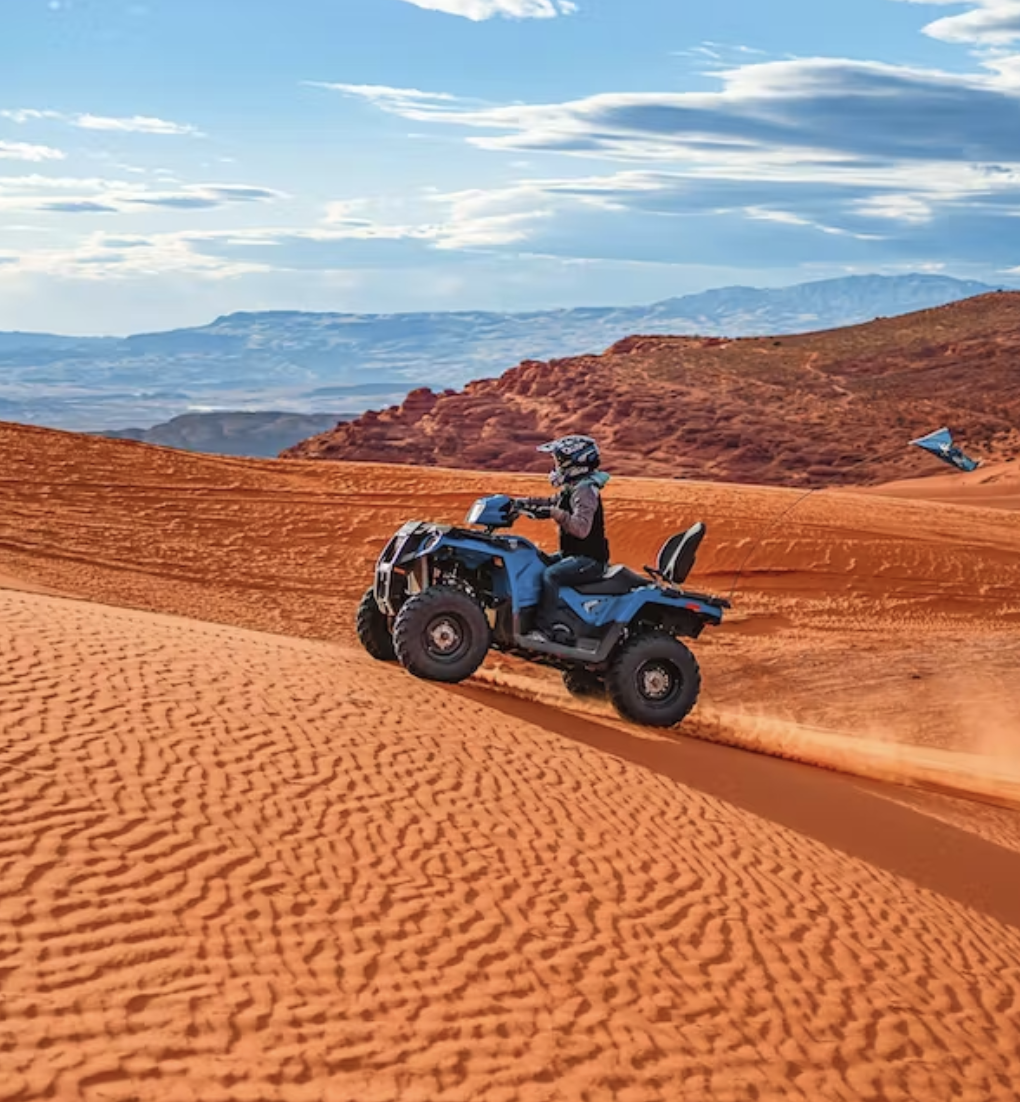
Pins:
x,y
676,559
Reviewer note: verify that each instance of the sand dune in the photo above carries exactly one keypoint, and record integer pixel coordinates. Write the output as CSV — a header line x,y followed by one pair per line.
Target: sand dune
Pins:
x,y
995,486
243,865
925,596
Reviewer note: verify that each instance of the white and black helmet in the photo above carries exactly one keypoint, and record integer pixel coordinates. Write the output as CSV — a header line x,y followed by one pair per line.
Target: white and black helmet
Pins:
x,y
575,456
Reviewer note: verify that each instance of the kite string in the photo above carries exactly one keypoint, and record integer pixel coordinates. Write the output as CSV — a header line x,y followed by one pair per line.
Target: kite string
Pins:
x,y
789,509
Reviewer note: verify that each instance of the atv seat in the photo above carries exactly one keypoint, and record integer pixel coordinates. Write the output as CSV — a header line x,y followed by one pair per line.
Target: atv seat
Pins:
x,y
616,581
675,562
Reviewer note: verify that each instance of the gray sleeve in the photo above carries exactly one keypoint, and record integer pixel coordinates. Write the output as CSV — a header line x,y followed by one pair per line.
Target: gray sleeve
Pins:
x,y
585,502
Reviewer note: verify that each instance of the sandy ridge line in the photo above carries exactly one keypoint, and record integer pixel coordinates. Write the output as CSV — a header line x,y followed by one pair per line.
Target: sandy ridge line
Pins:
x,y
141,570
217,628
22,585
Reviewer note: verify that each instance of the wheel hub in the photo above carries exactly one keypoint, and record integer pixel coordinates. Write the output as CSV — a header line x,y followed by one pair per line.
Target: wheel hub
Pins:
x,y
656,682
444,636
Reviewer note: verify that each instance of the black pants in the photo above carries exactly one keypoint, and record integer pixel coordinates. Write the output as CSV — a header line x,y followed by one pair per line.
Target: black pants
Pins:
x,y
575,570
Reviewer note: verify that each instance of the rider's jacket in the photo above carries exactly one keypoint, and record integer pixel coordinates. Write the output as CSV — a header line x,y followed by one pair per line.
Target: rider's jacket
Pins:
x,y
579,513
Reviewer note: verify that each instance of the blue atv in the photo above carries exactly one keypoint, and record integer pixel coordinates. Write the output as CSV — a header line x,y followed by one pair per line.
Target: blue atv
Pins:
x,y
443,596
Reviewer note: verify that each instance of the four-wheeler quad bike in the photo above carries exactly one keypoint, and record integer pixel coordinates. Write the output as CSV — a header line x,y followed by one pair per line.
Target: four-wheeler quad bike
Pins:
x,y
444,595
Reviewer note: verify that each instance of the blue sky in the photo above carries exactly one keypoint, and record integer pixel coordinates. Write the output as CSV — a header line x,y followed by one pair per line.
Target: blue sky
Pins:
x,y
166,161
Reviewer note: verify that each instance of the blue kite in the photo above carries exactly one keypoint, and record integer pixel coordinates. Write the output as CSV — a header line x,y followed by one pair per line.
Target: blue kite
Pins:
x,y
941,444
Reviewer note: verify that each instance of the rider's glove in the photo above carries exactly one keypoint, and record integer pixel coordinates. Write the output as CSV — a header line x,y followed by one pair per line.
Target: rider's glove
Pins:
x,y
538,508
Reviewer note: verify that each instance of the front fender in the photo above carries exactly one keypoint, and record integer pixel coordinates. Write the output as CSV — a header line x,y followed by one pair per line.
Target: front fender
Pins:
x,y
512,566
515,565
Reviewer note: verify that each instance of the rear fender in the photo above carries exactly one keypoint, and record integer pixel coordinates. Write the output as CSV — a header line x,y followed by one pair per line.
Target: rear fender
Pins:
x,y
679,616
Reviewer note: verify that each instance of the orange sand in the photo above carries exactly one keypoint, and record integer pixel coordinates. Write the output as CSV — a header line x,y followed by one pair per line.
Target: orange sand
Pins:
x,y
242,865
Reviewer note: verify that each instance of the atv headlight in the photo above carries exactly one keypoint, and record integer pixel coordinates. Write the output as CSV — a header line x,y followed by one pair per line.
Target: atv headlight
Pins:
x,y
431,543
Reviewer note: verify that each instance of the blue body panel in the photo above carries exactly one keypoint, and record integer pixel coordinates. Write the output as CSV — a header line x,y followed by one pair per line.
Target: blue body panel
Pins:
x,y
525,569
520,579
600,611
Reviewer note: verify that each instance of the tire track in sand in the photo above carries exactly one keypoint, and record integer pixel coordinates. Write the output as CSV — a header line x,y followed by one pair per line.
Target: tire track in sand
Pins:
x,y
238,866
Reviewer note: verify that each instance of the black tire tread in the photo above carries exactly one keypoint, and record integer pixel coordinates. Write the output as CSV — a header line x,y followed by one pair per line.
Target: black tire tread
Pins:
x,y
629,656
373,630
583,683
406,634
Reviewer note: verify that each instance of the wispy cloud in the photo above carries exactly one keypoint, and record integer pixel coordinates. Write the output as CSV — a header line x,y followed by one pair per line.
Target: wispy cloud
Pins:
x,y
643,218
719,52
847,159
896,208
71,195
202,197
102,257
784,117
478,10
28,114
653,218
409,103
21,151
817,160
135,124
76,206
987,23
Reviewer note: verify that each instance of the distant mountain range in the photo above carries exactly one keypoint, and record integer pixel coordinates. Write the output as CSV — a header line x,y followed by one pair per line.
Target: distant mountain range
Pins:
x,y
301,362
255,435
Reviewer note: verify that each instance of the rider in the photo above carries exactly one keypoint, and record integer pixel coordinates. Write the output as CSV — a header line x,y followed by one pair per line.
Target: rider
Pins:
x,y
577,509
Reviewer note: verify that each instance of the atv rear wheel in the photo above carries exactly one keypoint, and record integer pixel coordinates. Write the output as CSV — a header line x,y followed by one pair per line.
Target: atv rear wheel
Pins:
x,y
374,629
580,682
654,680
441,635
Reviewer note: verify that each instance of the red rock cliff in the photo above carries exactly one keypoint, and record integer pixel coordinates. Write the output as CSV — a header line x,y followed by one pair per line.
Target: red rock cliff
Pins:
x,y
795,410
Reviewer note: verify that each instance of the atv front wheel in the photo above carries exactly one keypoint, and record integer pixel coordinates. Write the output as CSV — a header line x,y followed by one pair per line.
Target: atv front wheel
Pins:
x,y
654,680
441,635
580,682
374,629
